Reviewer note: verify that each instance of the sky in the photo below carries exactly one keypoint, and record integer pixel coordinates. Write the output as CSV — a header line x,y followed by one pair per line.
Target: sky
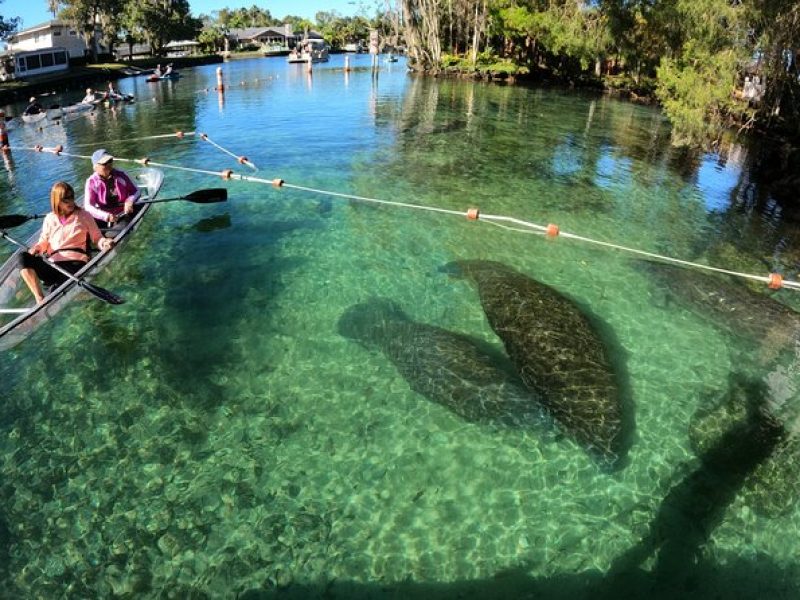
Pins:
x,y
33,12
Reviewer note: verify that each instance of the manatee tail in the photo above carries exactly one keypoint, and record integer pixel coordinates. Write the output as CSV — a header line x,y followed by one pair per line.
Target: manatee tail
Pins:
x,y
366,322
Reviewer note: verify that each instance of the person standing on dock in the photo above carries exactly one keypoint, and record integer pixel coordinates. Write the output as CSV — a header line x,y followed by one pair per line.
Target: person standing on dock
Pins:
x,y
110,193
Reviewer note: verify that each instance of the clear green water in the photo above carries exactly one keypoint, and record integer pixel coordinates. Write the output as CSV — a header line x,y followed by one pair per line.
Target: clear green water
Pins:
x,y
216,435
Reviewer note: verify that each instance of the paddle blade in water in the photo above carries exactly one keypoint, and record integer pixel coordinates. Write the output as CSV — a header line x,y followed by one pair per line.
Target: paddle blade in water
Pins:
x,y
7,221
208,196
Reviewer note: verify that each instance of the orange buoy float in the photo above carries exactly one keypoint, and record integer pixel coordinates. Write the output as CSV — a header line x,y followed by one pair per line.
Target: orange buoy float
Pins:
x,y
775,281
552,230
4,132
473,214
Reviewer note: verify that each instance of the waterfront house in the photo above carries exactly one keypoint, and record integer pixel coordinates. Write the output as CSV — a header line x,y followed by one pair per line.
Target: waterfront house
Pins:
x,y
267,37
51,34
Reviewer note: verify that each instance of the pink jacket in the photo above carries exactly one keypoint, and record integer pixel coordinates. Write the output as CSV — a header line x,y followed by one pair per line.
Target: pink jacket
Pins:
x,y
71,234
100,203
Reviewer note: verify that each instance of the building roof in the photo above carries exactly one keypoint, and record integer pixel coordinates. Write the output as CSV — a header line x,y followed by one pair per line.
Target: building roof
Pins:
x,y
247,33
46,25
250,33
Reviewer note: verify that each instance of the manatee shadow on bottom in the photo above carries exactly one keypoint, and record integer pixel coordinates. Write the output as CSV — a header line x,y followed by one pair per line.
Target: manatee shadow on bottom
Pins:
x,y
738,579
687,517
448,368
694,507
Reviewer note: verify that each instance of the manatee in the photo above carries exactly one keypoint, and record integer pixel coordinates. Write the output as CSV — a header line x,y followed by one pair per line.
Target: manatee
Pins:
x,y
731,305
556,351
445,367
768,429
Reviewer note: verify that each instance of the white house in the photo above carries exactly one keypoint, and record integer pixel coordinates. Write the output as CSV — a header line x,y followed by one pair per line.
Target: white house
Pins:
x,y
55,33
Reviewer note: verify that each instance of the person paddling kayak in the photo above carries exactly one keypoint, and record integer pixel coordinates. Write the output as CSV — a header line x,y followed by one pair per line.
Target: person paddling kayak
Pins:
x,y
110,194
65,236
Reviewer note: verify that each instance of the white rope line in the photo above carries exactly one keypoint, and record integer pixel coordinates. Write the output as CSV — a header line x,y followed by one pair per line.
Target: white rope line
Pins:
x,y
496,220
136,139
241,159
374,200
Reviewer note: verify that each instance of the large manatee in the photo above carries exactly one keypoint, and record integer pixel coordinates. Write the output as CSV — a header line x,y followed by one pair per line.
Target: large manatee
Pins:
x,y
446,367
731,305
556,351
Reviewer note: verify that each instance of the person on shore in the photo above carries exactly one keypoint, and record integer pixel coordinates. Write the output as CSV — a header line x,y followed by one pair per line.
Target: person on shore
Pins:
x,y
64,239
110,194
90,97
33,108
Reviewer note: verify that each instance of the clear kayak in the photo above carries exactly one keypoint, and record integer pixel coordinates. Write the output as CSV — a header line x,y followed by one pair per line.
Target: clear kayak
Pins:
x,y
16,301
35,118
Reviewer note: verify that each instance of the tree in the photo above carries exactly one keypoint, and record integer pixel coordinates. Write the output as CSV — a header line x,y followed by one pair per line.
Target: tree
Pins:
x,y
422,32
162,21
696,87
52,6
7,26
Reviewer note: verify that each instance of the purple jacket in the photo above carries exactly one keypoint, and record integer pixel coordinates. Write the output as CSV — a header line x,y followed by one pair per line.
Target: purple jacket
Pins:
x,y
102,200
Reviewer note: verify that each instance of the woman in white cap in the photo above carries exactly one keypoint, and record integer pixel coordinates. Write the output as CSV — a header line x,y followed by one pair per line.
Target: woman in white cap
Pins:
x,y
110,194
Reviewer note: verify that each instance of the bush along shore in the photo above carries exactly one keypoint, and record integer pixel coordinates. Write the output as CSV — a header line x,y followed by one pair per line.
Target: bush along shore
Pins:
x,y
78,77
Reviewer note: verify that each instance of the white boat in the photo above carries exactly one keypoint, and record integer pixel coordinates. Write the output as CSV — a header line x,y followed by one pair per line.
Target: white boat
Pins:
x,y
58,112
35,118
16,301
356,47
309,50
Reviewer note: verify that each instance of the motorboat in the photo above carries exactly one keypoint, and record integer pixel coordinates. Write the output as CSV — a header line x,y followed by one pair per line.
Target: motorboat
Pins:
x,y
309,50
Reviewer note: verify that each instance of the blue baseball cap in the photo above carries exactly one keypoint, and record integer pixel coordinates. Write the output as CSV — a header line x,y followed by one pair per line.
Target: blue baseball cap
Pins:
x,y
101,157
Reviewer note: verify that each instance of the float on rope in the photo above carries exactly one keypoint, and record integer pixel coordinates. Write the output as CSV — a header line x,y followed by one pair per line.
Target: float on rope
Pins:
x,y
774,281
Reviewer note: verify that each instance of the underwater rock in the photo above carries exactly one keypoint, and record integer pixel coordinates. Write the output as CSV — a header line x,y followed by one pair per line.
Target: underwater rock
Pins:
x,y
772,486
445,367
556,351
730,305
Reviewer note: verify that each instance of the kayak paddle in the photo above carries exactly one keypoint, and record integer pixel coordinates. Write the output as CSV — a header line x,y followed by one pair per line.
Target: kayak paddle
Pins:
x,y
95,290
7,221
208,196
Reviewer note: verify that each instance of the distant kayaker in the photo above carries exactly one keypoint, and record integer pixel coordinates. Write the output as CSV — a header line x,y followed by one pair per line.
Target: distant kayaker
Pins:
x,y
33,108
168,70
64,239
113,94
110,193
90,97
157,71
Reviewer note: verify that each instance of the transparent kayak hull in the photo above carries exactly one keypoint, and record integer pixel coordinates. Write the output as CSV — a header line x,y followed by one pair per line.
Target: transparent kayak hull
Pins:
x,y
12,288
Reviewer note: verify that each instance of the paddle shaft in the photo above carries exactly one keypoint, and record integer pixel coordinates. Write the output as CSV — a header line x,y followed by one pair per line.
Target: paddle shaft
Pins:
x,y
101,293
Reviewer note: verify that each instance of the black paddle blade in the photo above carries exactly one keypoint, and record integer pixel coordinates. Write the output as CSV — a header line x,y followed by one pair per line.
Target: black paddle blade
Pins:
x,y
208,196
7,221
101,293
